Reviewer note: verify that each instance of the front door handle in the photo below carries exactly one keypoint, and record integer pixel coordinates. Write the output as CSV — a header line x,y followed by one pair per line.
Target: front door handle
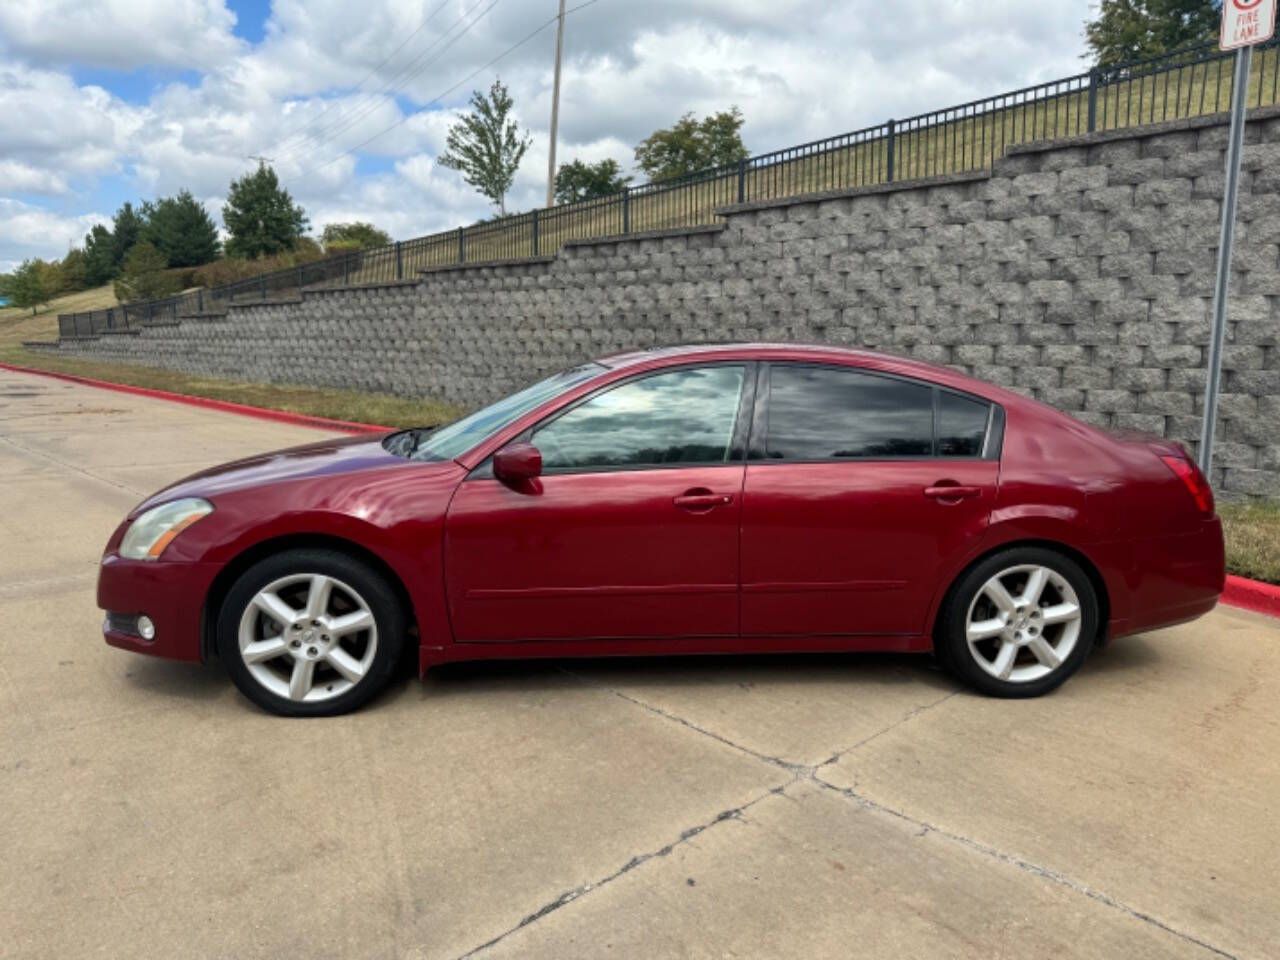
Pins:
x,y
951,491
702,500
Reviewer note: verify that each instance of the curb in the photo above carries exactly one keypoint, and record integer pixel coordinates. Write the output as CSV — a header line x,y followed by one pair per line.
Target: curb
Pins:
x,y
1252,595
226,406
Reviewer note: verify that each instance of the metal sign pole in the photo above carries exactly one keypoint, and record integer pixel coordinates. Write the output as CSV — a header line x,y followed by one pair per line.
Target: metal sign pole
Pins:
x,y
1239,95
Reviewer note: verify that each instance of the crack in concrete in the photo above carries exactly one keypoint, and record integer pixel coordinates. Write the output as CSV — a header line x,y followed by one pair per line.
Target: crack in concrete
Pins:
x,y
70,466
1027,866
809,772
569,896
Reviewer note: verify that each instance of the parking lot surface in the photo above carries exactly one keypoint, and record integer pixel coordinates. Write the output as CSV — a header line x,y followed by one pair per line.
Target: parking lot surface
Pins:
x,y
734,807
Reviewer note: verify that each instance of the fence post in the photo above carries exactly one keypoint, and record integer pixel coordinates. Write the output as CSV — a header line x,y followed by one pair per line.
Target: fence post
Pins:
x,y
262,286
742,180
893,145
399,263
346,270
626,209
200,300
535,232
1093,100
151,312
462,250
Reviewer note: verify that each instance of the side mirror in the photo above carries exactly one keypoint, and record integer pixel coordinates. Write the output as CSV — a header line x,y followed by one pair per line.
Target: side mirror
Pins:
x,y
517,462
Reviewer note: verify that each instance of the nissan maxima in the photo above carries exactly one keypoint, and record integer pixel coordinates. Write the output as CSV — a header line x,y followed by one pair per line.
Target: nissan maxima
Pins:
x,y
705,499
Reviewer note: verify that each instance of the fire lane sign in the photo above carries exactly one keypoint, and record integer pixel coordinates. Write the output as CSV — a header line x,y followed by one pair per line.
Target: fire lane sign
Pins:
x,y
1247,22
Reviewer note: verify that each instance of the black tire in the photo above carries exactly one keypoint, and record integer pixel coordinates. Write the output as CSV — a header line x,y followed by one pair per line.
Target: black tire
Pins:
x,y
351,574
952,646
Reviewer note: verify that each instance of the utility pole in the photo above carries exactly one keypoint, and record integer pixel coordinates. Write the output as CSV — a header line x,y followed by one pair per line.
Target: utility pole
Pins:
x,y
555,111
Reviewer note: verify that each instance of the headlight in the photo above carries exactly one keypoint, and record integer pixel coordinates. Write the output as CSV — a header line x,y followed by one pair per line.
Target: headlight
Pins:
x,y
154,530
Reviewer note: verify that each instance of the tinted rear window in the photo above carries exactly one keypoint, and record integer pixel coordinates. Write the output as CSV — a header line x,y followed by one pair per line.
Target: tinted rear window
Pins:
x,y
962,425
820,413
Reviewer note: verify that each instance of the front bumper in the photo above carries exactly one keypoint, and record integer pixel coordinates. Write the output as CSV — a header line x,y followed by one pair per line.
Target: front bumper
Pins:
x,y
172,594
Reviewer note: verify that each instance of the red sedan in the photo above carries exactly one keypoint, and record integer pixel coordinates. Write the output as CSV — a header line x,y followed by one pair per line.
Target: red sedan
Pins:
x,y
710,499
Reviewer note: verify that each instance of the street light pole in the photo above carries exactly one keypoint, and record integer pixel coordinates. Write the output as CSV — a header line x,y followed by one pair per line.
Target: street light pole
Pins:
x,y
555,111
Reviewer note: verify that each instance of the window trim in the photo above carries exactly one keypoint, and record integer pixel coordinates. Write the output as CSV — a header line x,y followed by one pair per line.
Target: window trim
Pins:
x,y
992,441
737,444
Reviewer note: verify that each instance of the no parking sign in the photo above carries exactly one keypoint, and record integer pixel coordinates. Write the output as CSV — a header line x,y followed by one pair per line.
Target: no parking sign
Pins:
x,y
1246,22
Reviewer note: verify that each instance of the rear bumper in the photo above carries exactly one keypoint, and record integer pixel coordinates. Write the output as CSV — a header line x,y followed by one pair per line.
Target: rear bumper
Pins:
x,y
171,594
1173,579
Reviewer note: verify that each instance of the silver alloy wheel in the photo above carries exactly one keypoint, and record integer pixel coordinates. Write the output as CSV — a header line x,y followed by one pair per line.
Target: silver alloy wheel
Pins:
x,y
1024,623
308,637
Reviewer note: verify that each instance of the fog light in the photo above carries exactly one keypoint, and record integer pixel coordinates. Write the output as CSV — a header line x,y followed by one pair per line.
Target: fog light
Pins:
x,y
146,629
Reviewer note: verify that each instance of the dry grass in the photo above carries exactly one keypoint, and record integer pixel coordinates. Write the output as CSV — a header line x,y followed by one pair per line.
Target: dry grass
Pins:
x,y
1252,531
99,298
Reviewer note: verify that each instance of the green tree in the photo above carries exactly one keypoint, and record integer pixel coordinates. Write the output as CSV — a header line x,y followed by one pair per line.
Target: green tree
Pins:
x,y
144,276
181,229
691,145
27,285
261,216
353,236
72,271
126,230
585,181
486,145
99,256
1127,30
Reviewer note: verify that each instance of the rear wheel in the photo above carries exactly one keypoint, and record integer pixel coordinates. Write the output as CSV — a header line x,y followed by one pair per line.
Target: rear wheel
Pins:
x,y
310,633
1019,623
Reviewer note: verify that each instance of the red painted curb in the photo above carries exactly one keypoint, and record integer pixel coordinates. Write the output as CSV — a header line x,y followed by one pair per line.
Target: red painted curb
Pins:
x,y
226,406
1252,595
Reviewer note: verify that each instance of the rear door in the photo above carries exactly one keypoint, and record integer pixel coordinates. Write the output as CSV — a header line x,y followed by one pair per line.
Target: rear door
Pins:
x,y
859,487
631,531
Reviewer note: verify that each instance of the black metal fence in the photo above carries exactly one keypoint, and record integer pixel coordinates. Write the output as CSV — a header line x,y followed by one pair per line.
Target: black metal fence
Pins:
x,y
1192,82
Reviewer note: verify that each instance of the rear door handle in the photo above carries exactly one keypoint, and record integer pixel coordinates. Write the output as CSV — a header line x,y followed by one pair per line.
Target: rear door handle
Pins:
x,y
703,501
952,491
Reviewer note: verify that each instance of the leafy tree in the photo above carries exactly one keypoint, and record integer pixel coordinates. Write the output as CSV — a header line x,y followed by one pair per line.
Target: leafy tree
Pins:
x,y
6,284
486,145
1127,30
181,229
353,236
691,145
126,230
72,272
27,286
144,276
261,216
585,181
99,256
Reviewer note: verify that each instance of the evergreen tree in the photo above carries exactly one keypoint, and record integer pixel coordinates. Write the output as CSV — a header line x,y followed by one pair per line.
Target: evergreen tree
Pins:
x,y
181,229
144,276
126,230
99,256
261,216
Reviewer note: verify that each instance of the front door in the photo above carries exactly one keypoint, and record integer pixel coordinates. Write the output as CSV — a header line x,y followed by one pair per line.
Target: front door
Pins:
x,y
854,500
631,531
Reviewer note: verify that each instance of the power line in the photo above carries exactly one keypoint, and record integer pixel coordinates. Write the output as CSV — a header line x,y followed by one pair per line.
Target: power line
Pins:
x,y
361,110
434,100
311,123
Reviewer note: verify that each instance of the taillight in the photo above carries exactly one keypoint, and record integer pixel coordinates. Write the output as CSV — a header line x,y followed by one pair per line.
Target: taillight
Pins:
x,y
1194,480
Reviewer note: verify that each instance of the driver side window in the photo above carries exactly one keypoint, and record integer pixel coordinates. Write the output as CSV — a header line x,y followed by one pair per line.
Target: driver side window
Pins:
x,y
681,416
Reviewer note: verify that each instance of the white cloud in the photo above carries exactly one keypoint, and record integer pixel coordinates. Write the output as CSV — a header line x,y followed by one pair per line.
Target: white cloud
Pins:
x,y
798,69
121,34
29,231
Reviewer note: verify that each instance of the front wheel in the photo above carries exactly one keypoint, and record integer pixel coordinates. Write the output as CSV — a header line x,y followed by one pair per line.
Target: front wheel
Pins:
x,y
1019,623
310,633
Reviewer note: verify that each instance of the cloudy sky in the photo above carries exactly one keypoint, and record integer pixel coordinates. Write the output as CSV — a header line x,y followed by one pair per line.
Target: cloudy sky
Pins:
x,y
103,101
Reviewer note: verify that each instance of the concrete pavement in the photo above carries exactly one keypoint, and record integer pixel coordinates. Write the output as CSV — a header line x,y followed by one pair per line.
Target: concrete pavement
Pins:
x,y
735,807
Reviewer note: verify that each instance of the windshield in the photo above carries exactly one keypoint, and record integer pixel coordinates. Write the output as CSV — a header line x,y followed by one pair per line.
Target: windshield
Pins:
x,y
460,436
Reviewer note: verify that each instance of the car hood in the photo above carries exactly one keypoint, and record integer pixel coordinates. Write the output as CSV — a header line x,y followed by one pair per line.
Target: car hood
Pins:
x,y
312,460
